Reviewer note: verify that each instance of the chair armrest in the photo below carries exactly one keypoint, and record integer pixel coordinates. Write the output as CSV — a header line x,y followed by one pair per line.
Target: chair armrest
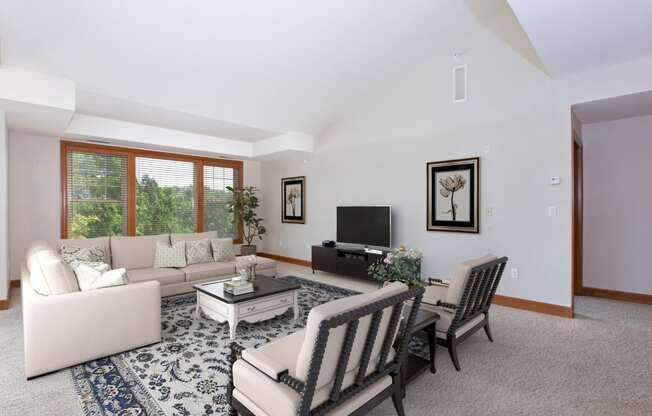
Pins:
x,y
434,294
264,363
446,305
439,282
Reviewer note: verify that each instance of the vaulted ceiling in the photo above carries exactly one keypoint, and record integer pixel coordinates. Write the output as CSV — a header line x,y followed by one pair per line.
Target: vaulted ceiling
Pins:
x,y
244,69
575,35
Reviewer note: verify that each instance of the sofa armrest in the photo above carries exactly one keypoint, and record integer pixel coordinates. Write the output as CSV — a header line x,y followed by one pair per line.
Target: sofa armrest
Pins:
x,y
264,363
68,329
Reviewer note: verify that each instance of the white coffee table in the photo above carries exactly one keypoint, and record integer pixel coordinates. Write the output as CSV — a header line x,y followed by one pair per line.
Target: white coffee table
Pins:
x,y
270,298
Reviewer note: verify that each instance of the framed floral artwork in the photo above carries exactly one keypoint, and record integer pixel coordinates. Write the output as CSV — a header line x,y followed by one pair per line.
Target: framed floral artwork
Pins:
x,y
293,197
453,195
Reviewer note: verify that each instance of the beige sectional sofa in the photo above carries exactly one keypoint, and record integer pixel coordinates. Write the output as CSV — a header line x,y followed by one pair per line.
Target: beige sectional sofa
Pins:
x,y
64,326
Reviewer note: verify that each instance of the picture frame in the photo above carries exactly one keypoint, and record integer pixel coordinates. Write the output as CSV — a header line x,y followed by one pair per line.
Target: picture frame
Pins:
x,y
293,200
453,195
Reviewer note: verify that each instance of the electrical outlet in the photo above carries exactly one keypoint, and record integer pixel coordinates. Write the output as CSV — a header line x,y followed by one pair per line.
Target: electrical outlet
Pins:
x,y
514,273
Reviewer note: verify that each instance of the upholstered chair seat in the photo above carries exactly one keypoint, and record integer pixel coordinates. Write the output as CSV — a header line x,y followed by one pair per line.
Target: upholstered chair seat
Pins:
x,y
258,372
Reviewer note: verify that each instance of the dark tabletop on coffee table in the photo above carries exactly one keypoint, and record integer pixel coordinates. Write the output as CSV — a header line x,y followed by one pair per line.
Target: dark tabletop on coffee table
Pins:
x,y
263,286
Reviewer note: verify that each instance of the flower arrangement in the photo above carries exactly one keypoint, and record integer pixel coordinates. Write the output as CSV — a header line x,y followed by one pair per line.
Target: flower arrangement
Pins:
x,y
402,265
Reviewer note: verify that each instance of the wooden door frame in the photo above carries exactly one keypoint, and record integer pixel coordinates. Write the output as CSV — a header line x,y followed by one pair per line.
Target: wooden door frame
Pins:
x,y
577,157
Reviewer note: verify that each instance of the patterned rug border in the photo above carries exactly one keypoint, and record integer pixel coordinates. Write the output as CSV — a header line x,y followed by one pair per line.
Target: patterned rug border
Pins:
x,y
126,386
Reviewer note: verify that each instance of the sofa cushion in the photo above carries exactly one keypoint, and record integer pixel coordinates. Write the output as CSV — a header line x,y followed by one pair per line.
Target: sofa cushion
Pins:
x,y
163,276
208,235
202,271
198,251
102,242
336,338
135,252
456,288
49,274
170,255
76,255
223,249
90,277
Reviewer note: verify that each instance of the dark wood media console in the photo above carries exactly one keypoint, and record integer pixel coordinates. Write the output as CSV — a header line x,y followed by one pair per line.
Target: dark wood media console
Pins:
x,y
346,261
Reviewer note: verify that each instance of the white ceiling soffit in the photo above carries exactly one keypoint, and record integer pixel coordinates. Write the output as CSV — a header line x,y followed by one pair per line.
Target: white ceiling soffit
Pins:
x,y
36,103
616,108
119,109
125,133
572,36
277,66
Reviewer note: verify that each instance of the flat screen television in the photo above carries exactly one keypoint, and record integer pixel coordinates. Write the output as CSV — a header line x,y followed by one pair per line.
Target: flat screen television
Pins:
x,y
366,225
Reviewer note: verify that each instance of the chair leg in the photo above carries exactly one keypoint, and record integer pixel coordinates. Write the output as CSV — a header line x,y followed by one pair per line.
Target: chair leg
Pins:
x,y
397,398
488,332
452,351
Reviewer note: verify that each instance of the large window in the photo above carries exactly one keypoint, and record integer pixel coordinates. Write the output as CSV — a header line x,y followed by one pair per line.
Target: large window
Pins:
x,y
116,191
216,196
165,196
97,194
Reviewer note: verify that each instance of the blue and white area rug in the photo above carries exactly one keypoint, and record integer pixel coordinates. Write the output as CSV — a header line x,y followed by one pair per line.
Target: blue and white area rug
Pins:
x,y
187,373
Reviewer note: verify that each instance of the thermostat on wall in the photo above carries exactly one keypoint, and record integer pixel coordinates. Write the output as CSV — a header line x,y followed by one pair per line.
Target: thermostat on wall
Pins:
x,y
555,180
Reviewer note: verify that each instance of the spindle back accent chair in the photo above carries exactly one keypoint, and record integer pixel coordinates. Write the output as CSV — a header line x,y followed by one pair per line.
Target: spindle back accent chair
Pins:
x,y
464,305
346,361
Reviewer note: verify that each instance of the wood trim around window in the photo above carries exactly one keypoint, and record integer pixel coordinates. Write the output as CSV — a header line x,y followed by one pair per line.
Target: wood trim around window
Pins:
x,y
132,154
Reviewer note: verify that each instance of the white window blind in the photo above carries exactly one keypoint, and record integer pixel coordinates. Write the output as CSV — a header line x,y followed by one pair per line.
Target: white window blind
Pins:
x,y
165,196
96,193
216,197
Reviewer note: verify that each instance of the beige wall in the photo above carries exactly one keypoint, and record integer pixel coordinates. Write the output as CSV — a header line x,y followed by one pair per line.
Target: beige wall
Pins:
x,y
34,194
617,201
4,266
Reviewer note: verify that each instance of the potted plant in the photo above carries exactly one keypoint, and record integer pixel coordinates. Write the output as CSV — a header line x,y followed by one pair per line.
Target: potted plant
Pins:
x,y
243,206
401,265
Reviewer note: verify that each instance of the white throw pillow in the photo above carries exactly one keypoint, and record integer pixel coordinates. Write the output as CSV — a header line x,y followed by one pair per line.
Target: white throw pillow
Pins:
x,y
170,256
95,276
198,251
223,249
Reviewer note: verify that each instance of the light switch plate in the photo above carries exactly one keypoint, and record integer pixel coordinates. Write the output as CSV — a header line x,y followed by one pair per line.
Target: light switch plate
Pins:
x,y
555,180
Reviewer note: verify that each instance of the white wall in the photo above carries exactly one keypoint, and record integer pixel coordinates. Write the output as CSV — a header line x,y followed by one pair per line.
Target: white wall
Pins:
x,y
617,201
34,194
377,154
4,217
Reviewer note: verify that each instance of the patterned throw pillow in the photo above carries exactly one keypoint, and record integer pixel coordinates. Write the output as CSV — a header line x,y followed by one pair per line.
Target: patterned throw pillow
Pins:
x,y
223,249
170,256
92,276
198,251
77,255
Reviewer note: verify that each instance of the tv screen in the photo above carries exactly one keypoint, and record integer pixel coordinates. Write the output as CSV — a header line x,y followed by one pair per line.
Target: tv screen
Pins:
x,y
370,226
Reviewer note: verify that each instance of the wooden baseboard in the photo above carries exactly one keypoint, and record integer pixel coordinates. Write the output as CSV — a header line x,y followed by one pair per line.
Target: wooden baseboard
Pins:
x,y
15,283
534,306
292,260
617,295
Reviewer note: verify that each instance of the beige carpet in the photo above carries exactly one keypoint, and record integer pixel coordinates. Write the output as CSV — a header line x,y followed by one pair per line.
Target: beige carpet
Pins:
x,y
597,364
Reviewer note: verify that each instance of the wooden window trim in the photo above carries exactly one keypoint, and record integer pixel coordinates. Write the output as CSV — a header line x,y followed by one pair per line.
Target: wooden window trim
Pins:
x,y
132,154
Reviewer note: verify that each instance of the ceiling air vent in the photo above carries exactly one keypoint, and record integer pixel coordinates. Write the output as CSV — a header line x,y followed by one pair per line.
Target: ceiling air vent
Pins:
x,y
460,83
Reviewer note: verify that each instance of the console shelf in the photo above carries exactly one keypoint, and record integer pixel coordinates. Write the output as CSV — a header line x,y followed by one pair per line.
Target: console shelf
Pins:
x,y
346,261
